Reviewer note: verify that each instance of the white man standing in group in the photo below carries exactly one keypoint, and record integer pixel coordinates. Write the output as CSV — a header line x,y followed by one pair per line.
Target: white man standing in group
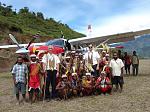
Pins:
x,y
51,62
92,58
117,65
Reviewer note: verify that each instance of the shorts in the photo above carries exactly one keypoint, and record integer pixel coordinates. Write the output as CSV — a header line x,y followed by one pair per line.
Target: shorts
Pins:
x,y
127,67
117,80
20,87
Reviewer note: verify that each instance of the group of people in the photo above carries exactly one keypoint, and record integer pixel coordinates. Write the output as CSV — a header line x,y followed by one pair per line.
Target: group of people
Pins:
x,y
131,60
70,75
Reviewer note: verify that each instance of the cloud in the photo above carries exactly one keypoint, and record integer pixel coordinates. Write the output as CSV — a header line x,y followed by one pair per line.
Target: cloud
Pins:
x,y
105,16
135,17
122,24
119,24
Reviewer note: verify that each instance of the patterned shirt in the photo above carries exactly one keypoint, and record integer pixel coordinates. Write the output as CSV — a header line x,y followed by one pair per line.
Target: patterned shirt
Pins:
x,y
20,72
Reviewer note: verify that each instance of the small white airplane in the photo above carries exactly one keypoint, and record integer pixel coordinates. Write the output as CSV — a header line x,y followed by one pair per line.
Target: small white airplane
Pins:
x,y
63,44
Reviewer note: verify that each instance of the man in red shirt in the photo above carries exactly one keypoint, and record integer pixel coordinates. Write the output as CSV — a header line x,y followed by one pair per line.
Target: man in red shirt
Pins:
x,y
34,79
127,62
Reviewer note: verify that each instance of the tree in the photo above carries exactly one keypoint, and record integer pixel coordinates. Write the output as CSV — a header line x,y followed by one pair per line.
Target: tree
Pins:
x,y
40,15
33,13
67,26
51,19
9,7
24,10
6,11
4,5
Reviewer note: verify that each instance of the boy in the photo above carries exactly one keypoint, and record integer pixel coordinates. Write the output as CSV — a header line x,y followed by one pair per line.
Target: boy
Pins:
x,y
63,88
87,87
75,85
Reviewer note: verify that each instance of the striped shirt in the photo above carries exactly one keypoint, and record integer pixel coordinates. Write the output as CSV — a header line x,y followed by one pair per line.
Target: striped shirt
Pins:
x,y
20,72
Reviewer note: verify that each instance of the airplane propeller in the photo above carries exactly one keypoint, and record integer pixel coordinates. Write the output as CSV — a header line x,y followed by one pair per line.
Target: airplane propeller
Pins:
x,y
34,37
14,40
23,50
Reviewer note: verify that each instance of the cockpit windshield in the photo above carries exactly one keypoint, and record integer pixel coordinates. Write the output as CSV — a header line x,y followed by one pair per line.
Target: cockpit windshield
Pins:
x,y
56,42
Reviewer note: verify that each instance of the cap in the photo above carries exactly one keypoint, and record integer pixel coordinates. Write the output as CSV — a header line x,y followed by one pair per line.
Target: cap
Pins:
x,y
80,54
107,55
64,76
88,74
74,74
73,52
33,55
67,57
83,76
103,51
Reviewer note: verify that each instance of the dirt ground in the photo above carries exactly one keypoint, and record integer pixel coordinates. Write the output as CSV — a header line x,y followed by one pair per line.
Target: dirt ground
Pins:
x,y
134,98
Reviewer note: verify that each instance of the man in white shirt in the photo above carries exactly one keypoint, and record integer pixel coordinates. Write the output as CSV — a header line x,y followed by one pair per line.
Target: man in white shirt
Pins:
x,y
92,59
117,65
51,65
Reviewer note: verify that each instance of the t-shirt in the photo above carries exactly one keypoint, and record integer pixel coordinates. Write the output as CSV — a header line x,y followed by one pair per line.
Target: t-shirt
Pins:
x,y
116,66
94,55
127,60
50,59
135,59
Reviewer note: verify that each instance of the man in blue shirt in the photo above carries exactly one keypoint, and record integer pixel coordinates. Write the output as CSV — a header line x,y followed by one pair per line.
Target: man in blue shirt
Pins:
x,y
19,73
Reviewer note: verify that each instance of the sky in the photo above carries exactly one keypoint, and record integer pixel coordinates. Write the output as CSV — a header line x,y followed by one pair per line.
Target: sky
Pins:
x,y
106,17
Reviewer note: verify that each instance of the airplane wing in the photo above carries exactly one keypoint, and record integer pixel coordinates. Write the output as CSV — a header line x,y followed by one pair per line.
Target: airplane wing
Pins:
x,y
122,37
12,37
98,40
12,46
21,45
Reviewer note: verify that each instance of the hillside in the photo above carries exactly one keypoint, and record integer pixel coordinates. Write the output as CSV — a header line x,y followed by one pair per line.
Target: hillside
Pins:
x,y
26,23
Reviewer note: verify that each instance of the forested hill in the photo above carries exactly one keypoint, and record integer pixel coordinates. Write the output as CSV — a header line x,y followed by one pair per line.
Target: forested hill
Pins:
x,y
26,23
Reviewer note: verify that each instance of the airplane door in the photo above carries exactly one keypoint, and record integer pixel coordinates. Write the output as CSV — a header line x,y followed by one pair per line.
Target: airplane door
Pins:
x,y
67,45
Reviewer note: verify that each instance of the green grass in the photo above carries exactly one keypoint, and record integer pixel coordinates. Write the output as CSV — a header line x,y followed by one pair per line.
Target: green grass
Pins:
x,y
6,76
30,24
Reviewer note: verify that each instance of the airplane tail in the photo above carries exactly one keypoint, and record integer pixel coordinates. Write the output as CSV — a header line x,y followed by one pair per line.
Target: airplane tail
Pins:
x,y
102,44
107,48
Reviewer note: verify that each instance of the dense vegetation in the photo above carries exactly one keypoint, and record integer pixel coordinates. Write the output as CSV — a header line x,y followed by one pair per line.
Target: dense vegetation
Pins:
x,y
26,22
